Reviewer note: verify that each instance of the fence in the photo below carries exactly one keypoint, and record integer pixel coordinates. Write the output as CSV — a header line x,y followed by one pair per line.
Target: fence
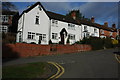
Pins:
x,y
26,50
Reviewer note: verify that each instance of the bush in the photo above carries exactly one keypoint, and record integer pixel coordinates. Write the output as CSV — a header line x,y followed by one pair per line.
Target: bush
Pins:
x,y
8,38
68,41
97,43
50,42
32,43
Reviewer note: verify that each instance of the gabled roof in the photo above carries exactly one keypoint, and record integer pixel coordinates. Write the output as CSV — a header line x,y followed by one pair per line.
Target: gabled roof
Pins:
x,y
51,15
31,7
61,17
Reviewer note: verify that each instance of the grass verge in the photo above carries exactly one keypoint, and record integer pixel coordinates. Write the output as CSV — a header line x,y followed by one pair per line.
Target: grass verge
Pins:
x,y
29,70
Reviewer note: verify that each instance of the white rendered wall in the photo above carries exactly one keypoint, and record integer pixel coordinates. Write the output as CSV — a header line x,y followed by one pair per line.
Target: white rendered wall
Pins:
x,y
60,26
90,30
30,26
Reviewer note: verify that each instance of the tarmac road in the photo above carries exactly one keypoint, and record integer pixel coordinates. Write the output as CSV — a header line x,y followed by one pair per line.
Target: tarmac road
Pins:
x,y
92,64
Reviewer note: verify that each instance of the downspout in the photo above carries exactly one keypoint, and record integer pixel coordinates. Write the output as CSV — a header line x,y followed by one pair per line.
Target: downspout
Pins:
x,y
49,30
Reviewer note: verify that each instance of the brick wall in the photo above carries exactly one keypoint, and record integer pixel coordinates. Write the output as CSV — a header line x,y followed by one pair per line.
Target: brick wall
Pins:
x,y
26,50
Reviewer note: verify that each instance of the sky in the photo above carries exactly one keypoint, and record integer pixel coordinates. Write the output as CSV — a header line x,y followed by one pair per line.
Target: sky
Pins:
x,y
102,11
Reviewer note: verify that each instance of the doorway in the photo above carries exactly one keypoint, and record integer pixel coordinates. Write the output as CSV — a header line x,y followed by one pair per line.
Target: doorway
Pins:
x,y
63,34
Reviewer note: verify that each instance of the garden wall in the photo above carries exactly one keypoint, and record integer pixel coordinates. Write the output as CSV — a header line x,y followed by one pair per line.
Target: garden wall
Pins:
x,y
26,50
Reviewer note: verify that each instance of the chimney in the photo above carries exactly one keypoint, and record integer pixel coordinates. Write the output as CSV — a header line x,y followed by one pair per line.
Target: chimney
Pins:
x,y
106,24
113,25
92,19
73,15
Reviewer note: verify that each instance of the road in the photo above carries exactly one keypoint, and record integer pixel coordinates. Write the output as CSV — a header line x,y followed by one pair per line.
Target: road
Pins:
x,y
92,64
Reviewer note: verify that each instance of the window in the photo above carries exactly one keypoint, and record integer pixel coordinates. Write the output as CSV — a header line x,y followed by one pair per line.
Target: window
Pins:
x,y
54,23
71,36
85,28
37,20
31,35
71,26
4,18
42,37
111,33
102,31
20,36
3,28
87,35
95,30
54,35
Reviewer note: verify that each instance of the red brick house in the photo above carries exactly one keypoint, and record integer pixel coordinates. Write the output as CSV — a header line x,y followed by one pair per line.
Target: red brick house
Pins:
x,y
9,21
106,31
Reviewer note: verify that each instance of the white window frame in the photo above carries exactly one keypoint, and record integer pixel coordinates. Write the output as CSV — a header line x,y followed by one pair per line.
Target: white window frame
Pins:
x,y
85,28
95,30
71,26
5,18
111,33
37,20
71,36
101,31
43,36
31,35
54,35
4,28
54,23
20,36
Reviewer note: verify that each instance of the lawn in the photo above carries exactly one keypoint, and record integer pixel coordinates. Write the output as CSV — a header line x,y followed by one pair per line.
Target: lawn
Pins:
x,y
29,70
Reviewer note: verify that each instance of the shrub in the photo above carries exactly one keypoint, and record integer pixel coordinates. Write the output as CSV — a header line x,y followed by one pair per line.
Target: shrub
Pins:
x,y
32,43
97,43
107,42
50,42
8,38
68,41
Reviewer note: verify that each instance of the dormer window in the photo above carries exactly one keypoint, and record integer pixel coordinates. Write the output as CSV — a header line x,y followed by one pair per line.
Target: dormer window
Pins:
x,y
54,23
71,26
37,20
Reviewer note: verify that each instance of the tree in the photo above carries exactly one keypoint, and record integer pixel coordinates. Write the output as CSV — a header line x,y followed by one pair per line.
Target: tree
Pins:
x,y
8,6
78,14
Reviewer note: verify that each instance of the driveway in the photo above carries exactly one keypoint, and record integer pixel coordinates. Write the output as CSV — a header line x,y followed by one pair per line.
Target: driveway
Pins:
x,y
92,64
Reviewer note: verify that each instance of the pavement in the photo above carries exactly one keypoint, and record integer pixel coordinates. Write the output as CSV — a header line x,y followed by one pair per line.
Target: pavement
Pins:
x,y
92,64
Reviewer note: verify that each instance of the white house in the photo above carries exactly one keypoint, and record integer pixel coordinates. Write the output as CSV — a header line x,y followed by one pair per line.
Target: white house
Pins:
x,y
40,26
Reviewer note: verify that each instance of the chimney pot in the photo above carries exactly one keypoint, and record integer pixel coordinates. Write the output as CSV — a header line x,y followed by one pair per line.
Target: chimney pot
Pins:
x,y
73,15
113,25
106,24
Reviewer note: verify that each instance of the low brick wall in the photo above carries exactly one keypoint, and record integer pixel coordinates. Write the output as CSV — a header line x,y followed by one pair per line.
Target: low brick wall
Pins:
x,y
26,50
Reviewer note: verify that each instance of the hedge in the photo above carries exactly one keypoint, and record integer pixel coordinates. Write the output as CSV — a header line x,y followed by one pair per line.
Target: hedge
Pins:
x,y
99,43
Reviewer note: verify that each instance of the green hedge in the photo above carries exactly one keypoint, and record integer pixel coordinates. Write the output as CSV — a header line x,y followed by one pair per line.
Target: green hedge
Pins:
x,y
97,43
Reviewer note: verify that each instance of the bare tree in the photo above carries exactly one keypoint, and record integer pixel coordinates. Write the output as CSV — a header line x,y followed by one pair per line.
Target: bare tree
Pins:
x,y
8,6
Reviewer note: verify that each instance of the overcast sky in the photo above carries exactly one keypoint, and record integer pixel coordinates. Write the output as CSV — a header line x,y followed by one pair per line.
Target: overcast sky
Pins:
x,y
102,11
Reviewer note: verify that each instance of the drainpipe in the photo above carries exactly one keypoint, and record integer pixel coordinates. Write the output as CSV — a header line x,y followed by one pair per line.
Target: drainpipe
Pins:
x,y
49,31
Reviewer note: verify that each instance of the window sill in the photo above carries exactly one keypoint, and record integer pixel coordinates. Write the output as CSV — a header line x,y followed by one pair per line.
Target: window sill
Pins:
x,y
32,39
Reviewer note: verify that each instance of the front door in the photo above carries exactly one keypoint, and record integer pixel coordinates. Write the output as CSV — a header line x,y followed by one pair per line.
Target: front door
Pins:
x,y
62,38
40,39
